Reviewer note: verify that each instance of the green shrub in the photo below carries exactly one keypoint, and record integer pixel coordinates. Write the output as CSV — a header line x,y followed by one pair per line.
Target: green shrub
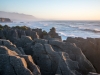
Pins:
x,y
44,32
21,27
1,26
6,26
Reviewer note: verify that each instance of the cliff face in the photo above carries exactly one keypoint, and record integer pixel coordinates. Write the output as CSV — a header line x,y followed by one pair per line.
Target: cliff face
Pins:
x,y
34,52
5,20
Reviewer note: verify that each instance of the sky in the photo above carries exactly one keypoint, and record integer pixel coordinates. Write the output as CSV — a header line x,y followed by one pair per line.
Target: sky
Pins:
x,y
55,9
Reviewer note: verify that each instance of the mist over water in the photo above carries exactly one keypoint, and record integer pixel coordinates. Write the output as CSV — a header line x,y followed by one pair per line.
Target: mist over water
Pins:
x,y
65,28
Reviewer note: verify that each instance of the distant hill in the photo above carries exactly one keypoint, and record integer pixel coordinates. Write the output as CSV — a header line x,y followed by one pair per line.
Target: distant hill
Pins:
x,y
17,16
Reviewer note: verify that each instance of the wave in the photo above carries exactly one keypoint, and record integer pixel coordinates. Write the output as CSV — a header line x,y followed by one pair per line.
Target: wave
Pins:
x,y
92,30
85,29
63,34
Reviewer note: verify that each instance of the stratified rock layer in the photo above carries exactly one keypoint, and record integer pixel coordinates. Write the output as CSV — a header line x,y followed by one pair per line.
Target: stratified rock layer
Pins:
x,y
90,47
34,52
13,63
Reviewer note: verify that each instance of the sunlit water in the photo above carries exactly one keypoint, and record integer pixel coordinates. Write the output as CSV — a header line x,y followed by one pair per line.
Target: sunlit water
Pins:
x,y
65,28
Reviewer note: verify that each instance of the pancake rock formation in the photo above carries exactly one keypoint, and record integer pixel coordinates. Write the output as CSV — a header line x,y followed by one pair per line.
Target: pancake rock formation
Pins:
x,y
36,52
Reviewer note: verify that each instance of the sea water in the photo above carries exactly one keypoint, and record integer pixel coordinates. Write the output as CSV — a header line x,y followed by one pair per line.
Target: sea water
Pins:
x,y
65,28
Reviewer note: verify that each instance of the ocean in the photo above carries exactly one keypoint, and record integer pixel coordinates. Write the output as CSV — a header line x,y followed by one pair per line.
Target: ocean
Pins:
x,y
65,28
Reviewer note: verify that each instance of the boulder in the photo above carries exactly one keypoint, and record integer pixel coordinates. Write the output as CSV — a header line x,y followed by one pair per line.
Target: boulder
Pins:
x,y
21,50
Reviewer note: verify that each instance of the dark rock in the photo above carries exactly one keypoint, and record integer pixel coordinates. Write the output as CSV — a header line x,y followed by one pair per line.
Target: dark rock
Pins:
x,y
28,49
32,34
42,41
5,50
39,32
21,50
5,20
91,73
13,64
21,32
9,45
26,39
50,54
75,54
60,62
90,47
53,34
31,65
2,35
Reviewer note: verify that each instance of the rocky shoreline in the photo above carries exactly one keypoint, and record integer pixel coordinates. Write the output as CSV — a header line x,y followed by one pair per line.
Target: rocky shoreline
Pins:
x,y
26,51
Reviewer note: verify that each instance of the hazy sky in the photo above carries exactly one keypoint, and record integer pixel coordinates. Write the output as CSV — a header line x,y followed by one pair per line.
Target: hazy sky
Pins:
x,y
55,9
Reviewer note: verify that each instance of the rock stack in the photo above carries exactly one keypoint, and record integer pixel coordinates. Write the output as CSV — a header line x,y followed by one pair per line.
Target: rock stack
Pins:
x,y
53,34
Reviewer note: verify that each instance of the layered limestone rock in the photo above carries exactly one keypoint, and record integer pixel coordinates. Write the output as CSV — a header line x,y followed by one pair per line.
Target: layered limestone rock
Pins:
x,y
53,33
12,63
63,59
49,52
2,35
90,47
32,34
9,45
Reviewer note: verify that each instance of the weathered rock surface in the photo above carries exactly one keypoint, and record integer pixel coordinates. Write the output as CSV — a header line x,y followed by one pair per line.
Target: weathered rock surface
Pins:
x,y
53,33
32,34
9,45
91,73
90,47
1,35
51,55
13,64
68,61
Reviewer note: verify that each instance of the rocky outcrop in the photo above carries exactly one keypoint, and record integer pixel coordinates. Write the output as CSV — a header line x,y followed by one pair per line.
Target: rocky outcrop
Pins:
x,y
12,63
39,32
9,45
53,33
5,20
35,52
32,34
65,59
90,47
